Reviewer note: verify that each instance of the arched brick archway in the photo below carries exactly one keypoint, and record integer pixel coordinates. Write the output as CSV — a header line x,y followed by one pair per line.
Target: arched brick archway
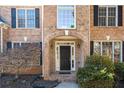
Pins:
x,y
77,34
46,48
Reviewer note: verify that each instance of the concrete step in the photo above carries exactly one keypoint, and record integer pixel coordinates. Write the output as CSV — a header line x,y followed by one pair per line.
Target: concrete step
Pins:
x,y
63,77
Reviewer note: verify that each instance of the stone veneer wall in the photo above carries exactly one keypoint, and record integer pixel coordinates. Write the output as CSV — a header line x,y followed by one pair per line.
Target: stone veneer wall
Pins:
x,y
22,61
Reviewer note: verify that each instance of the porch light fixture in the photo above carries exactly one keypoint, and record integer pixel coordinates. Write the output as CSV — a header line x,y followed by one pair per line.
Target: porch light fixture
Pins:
x,y
25,39
66,32
78,45
51,46
108,37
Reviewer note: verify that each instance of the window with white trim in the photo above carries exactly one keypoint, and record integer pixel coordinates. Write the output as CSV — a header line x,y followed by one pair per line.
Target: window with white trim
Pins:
x,y
110,49
23,44
19,44
66,17
107,16
26,18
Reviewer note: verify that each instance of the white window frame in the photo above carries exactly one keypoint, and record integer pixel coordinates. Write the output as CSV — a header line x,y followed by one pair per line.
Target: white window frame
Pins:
x,y
121,48
25,18
107,6
57,54
74,19
20,43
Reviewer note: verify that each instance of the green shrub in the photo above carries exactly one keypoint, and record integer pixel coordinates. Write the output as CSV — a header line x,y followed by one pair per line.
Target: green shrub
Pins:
x,y
98,71
119,71
100,62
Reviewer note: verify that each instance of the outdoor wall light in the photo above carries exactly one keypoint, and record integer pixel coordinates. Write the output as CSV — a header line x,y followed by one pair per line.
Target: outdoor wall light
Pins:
x,y
25,39
108,37
66,32
78,45
51,46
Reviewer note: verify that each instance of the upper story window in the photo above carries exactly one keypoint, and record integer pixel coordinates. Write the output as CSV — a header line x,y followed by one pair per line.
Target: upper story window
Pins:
x,y
25,18
66,17
108,15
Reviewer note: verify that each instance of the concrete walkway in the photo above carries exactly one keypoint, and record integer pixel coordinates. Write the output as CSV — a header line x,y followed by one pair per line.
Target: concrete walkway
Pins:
x,y
67,85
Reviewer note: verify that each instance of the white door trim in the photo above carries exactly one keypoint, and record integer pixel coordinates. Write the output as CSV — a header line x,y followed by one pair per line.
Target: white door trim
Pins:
x,y
57,53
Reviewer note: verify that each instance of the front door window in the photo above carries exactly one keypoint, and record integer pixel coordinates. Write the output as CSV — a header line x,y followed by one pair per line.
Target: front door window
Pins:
x,y
65,58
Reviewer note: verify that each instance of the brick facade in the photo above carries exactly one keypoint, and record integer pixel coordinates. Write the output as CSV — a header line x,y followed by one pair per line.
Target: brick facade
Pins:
x,y
15,34
84,33
51,32
100,33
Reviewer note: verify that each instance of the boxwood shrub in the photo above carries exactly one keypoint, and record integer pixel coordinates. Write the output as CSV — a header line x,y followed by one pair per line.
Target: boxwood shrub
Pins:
x,y
98,72
119,71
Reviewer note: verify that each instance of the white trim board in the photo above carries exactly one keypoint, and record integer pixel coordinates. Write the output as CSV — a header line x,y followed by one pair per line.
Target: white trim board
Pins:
x,y
57,53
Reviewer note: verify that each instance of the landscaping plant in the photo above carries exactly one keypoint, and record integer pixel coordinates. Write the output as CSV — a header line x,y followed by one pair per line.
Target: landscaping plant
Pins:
x,y
98,72
119,71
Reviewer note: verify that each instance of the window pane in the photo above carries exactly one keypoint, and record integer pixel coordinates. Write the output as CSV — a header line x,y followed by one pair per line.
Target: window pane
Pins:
x,y
21,18
102,11
111,21
65,17
102,16
16,45
112,11
30,23
111,16
117,51
97,48
30,18
107,49
102,21
25,45
21,14
21,23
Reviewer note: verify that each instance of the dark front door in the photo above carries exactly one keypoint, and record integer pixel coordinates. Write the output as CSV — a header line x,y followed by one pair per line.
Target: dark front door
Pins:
x,y
65,58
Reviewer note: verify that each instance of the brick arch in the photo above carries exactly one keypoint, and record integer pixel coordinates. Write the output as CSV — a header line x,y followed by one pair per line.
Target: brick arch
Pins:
x,y
78,35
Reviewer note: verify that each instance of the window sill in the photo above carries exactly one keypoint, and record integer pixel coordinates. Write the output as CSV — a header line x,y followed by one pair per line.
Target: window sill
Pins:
x,y
26,28
66,28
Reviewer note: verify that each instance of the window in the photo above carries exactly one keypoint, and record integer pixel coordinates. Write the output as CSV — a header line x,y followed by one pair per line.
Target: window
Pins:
x,y
110,49
24,44
107,49
111,16
107,15
16,45
19,44
102,16
117,50
97,47
26,18
66,17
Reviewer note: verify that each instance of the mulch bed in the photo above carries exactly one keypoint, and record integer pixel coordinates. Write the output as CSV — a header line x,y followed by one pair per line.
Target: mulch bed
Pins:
x,y
25,81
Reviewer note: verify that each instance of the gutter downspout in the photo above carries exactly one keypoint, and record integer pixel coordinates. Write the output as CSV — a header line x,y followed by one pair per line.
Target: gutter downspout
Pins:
x,y
1,39
42,39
